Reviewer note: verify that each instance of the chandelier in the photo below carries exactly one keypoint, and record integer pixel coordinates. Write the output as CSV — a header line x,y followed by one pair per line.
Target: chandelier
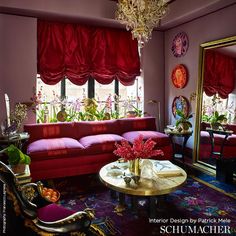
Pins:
x,y
141,16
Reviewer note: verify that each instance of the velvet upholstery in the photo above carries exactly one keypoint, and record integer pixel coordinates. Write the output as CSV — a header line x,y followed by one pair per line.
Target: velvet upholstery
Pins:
x,y
100,143
53,212
229,150
50,130
160,138
88,148
86,128
54,147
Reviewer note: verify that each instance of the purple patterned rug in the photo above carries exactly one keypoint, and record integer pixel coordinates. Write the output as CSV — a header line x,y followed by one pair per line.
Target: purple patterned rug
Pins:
x,y
194,209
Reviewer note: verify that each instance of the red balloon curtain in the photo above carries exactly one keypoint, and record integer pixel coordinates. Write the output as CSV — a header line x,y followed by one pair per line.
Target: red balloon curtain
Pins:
x,y
219,74
79,52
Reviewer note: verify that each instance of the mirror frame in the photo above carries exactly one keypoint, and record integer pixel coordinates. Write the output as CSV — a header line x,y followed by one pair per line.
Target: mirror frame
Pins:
x,y
203,47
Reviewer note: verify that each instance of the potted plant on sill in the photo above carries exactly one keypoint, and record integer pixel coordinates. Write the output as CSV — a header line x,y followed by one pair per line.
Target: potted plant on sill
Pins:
x,y
16,159
183,123
216,119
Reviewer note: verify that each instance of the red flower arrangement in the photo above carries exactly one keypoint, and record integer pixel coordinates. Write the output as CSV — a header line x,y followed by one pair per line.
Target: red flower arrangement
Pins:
x,y
140,149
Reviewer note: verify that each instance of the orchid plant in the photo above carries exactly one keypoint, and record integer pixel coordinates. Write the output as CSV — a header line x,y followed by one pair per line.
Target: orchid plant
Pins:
x,y
140,149
82,109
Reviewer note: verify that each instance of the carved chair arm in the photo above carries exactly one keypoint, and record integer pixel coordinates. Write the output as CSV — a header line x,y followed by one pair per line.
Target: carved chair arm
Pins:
x,y
79,221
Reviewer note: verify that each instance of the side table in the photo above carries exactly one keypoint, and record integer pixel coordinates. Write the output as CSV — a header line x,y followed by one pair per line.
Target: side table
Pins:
x,y
17,139
175,133
211,132
224,167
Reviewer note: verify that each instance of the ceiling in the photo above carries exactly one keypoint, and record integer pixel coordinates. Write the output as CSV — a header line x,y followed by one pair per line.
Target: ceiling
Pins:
x,y
102,12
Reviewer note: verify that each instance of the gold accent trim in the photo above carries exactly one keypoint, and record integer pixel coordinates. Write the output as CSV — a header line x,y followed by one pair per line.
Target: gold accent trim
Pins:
x,y
97,230
203,47
146,187
213,187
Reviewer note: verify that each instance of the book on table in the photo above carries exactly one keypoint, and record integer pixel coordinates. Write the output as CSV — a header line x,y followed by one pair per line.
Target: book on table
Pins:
x,y
161,168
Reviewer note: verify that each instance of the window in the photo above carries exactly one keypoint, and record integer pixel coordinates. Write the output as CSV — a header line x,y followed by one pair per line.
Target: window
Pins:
x,y
66,95
223,106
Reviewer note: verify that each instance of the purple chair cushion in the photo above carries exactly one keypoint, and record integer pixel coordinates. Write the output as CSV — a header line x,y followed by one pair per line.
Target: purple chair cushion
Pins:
x,y
54,147
53,212
100,143
160,138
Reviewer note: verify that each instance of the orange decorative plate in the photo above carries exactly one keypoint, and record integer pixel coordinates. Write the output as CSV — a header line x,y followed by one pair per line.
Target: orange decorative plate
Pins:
x,y
179,76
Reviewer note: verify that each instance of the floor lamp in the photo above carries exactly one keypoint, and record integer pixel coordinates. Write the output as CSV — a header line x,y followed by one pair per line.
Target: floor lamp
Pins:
x,y
158,107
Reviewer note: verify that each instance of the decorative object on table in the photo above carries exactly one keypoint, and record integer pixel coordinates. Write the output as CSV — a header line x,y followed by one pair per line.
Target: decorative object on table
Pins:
x,y
141,17
16,159
62,115
179,76
183,123
180,103
7,102
8,131
140,150
131,114
18,115
49,194
216,119
180,44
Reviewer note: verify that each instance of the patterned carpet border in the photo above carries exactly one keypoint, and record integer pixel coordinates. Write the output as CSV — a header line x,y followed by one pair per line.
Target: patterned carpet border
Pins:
x,y
214,187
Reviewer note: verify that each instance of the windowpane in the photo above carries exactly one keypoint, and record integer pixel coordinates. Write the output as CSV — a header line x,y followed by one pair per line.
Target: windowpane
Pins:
x,y
131,97
102,91
74,92
48,91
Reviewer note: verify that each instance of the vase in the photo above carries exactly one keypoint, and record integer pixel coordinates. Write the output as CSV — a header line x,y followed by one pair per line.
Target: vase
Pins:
x,y
215,125
134,167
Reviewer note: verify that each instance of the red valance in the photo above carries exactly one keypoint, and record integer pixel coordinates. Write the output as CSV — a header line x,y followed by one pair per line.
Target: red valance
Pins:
x,y
79,52
219,74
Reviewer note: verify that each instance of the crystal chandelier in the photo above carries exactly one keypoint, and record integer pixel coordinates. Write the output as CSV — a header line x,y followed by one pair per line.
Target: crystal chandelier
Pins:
x,y
141,16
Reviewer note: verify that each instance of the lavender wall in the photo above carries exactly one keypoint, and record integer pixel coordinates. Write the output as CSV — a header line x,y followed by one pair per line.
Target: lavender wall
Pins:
x,y
153,71
210,27
18,59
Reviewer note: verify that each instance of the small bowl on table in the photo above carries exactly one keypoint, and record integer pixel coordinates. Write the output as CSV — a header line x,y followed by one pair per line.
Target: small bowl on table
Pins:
x,y
50,194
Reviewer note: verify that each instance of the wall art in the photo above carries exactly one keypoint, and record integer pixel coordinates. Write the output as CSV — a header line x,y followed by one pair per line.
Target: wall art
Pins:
x,y
180,103
180,44
179,76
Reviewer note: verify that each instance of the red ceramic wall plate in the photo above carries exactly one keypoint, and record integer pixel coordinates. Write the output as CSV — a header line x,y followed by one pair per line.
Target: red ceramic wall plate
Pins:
x,y
179,76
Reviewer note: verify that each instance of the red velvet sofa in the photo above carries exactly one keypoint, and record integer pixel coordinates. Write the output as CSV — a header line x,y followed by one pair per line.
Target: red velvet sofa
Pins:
x,y
75,148
229,150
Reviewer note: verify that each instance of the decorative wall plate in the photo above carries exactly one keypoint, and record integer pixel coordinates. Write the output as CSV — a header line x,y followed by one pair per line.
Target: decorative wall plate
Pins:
x,y
179,76
180,44
181,103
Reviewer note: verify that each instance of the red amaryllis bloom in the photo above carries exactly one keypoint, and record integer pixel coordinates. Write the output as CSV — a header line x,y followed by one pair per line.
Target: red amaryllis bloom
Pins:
x,y
140,149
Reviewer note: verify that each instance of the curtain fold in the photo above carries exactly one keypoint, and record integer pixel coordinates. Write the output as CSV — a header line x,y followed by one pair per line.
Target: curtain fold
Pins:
x,y
79,52
219,74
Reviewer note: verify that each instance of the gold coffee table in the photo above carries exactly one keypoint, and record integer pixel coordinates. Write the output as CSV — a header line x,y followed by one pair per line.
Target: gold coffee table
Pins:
x,y
112,175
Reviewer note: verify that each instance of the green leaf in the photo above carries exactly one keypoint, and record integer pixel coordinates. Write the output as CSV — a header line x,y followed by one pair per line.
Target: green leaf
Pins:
x,y
16,156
